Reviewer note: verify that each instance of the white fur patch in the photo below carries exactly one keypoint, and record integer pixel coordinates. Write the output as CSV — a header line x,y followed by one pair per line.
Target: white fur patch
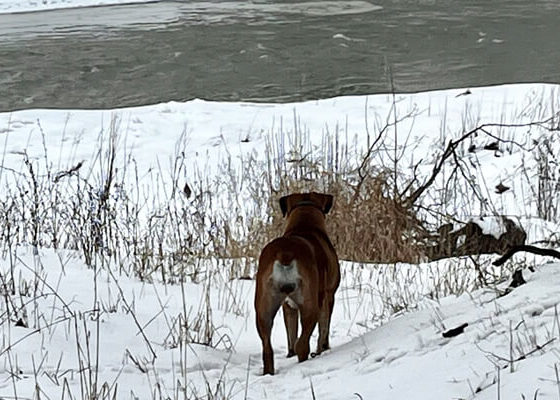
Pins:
x,y
283,274
291,303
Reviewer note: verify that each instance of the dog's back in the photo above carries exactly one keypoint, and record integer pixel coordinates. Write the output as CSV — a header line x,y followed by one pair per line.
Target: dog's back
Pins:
x,y
307,225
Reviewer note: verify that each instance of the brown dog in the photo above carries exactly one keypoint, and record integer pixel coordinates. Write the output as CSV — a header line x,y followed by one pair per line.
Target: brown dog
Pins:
x,y
300,272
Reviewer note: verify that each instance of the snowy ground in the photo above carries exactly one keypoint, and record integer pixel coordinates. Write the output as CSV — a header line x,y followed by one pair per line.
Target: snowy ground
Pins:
x,y
69,329
408,357
136,328
207,133
12,6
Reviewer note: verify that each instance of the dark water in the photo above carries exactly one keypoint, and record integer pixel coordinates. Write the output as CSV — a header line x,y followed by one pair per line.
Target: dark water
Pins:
x,y
279,51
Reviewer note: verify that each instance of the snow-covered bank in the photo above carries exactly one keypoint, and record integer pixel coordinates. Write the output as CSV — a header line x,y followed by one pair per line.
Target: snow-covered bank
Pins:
x,y
72,332
211,132
13,6
99,333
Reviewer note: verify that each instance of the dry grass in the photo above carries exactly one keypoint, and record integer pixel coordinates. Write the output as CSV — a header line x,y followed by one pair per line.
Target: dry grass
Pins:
x,y
170,233
369,222
161,233
365,224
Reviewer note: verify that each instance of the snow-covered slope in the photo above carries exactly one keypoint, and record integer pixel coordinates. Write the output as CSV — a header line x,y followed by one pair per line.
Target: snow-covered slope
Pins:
x,y
210,132
67,314
12,6
70,329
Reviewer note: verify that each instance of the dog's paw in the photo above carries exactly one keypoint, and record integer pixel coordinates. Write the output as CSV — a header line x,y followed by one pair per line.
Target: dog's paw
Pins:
x,y
291,353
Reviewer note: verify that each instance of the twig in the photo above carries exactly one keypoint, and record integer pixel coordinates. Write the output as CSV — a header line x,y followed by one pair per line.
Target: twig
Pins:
x,y
557,379
129,308
61,174
538,347
312,390
247,377
498,385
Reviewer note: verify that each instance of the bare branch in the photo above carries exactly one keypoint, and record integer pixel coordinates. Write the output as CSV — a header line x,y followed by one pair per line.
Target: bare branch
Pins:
x,y
452,145
529,249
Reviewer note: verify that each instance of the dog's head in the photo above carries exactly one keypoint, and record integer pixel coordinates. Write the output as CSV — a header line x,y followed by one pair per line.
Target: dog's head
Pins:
x,y
321,201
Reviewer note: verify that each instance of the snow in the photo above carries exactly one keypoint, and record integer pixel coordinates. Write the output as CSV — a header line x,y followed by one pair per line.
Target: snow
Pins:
x,y
406,357
211,132
12,6
84,328
490,226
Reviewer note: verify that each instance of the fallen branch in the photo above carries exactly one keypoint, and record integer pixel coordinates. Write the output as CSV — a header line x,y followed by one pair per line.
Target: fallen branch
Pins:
x,y
455,331
528,249
538,347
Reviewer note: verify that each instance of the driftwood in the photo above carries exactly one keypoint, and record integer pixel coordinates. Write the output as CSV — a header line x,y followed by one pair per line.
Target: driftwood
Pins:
x,y
516,281
455,331
528,249
470,240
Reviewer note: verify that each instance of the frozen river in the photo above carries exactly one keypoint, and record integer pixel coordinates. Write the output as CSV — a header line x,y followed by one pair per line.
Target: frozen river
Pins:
x,y
279,51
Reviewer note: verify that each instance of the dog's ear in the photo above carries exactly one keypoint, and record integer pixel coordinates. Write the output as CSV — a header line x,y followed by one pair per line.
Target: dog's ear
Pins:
x,y
327,203
283,205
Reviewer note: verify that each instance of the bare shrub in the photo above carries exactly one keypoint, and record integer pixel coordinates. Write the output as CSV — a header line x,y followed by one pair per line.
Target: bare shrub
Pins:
x,y
365,225
189,214
548,179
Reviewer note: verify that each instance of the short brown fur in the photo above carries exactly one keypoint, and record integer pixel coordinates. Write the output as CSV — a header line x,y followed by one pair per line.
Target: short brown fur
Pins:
x,y
310,294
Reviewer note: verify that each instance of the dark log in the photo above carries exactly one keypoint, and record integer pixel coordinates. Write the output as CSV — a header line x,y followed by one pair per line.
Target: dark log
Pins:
x,y
528,249
455,331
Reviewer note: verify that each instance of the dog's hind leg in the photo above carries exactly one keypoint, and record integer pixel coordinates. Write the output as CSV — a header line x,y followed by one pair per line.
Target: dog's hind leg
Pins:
x,y
291,322
264,327
265,318
308,321
325,322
